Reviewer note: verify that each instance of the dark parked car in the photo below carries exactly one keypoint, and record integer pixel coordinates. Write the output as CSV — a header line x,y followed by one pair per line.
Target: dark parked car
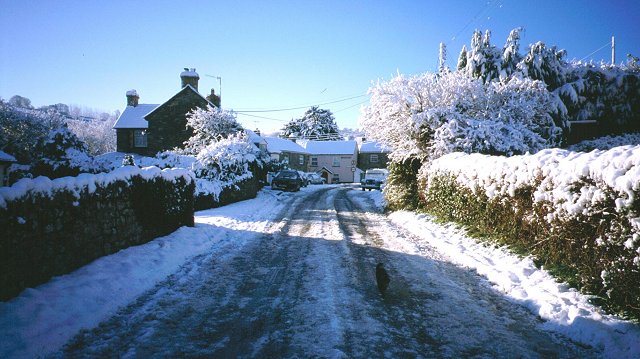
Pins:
x,y
287,180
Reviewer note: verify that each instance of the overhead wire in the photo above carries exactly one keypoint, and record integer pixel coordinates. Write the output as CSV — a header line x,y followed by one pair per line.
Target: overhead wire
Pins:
x,y
300,107
472,20
602,47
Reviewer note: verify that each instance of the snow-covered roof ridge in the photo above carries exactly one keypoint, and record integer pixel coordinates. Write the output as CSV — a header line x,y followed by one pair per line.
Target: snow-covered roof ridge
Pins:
x,y
330,147
186,88
6,157
277,145
86,181
133,116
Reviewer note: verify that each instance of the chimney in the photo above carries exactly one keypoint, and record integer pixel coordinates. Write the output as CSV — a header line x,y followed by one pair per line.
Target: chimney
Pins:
x,y
132,98
190,77
257,131
214,99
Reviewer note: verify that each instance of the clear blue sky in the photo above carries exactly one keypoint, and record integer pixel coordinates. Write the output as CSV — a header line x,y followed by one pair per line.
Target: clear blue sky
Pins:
x,y
272,54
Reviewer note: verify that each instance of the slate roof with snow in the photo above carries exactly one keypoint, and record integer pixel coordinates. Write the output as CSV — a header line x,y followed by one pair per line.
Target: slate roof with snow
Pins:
x,y
373,147
254,137
278,145
133,116
5,157
330,147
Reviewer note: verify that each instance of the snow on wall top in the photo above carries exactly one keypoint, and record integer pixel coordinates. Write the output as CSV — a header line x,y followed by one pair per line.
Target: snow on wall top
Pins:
x,y
330,147
372,146
132,93
278,145
46,187
6,157
133,116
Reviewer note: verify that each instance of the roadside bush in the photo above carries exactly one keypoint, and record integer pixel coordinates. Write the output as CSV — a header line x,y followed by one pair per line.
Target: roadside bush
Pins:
x,y
401,190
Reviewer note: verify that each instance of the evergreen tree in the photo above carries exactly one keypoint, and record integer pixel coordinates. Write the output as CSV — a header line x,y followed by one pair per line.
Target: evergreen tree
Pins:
x,y
61,154
462,59
545,64
510,53
209,125
315,124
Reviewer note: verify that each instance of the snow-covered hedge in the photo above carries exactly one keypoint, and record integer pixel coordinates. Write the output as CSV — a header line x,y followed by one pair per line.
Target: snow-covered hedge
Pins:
x,y
51,227
578,212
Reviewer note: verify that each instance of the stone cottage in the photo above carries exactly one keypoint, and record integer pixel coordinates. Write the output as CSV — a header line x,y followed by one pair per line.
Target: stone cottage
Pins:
x,y
147,129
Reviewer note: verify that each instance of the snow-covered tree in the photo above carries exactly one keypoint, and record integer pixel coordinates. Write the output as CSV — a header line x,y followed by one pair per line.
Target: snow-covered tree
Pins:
x,y
511,53
23,129
62,154
97,133
428,115
462,59
316,123
21,102
483,59
209,125
442,58
545,64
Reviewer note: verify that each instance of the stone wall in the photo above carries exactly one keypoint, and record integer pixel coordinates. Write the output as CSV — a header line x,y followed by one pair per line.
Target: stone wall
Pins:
x,y
246,189
50,232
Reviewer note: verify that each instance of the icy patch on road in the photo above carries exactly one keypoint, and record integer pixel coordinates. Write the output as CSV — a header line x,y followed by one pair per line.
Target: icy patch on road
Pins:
x,y
564,309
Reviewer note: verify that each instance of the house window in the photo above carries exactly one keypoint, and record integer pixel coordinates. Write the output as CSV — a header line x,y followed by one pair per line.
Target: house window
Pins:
x,y
314,161
336,162
373,158
139,138
301,160
336,178
285,159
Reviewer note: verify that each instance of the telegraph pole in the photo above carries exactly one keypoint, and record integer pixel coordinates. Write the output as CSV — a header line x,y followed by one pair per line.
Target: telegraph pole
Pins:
x,y
613,50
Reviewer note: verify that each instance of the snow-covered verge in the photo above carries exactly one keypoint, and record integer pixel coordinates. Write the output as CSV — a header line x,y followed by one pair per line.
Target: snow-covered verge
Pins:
x,y
563,309
573,209
40,320
43,186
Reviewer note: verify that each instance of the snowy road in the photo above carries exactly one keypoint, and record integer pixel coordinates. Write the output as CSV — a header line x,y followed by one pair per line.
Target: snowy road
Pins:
x,y
296,278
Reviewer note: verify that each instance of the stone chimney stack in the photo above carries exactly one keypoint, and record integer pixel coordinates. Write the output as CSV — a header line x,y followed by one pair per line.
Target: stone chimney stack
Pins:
x,y
190,77
214,99
132,98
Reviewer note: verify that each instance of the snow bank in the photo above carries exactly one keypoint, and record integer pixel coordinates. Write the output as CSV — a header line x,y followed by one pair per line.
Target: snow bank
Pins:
x,y
564,309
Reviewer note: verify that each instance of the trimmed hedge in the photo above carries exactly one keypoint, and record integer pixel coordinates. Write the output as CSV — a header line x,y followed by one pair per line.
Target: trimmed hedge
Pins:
x,y
595,247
